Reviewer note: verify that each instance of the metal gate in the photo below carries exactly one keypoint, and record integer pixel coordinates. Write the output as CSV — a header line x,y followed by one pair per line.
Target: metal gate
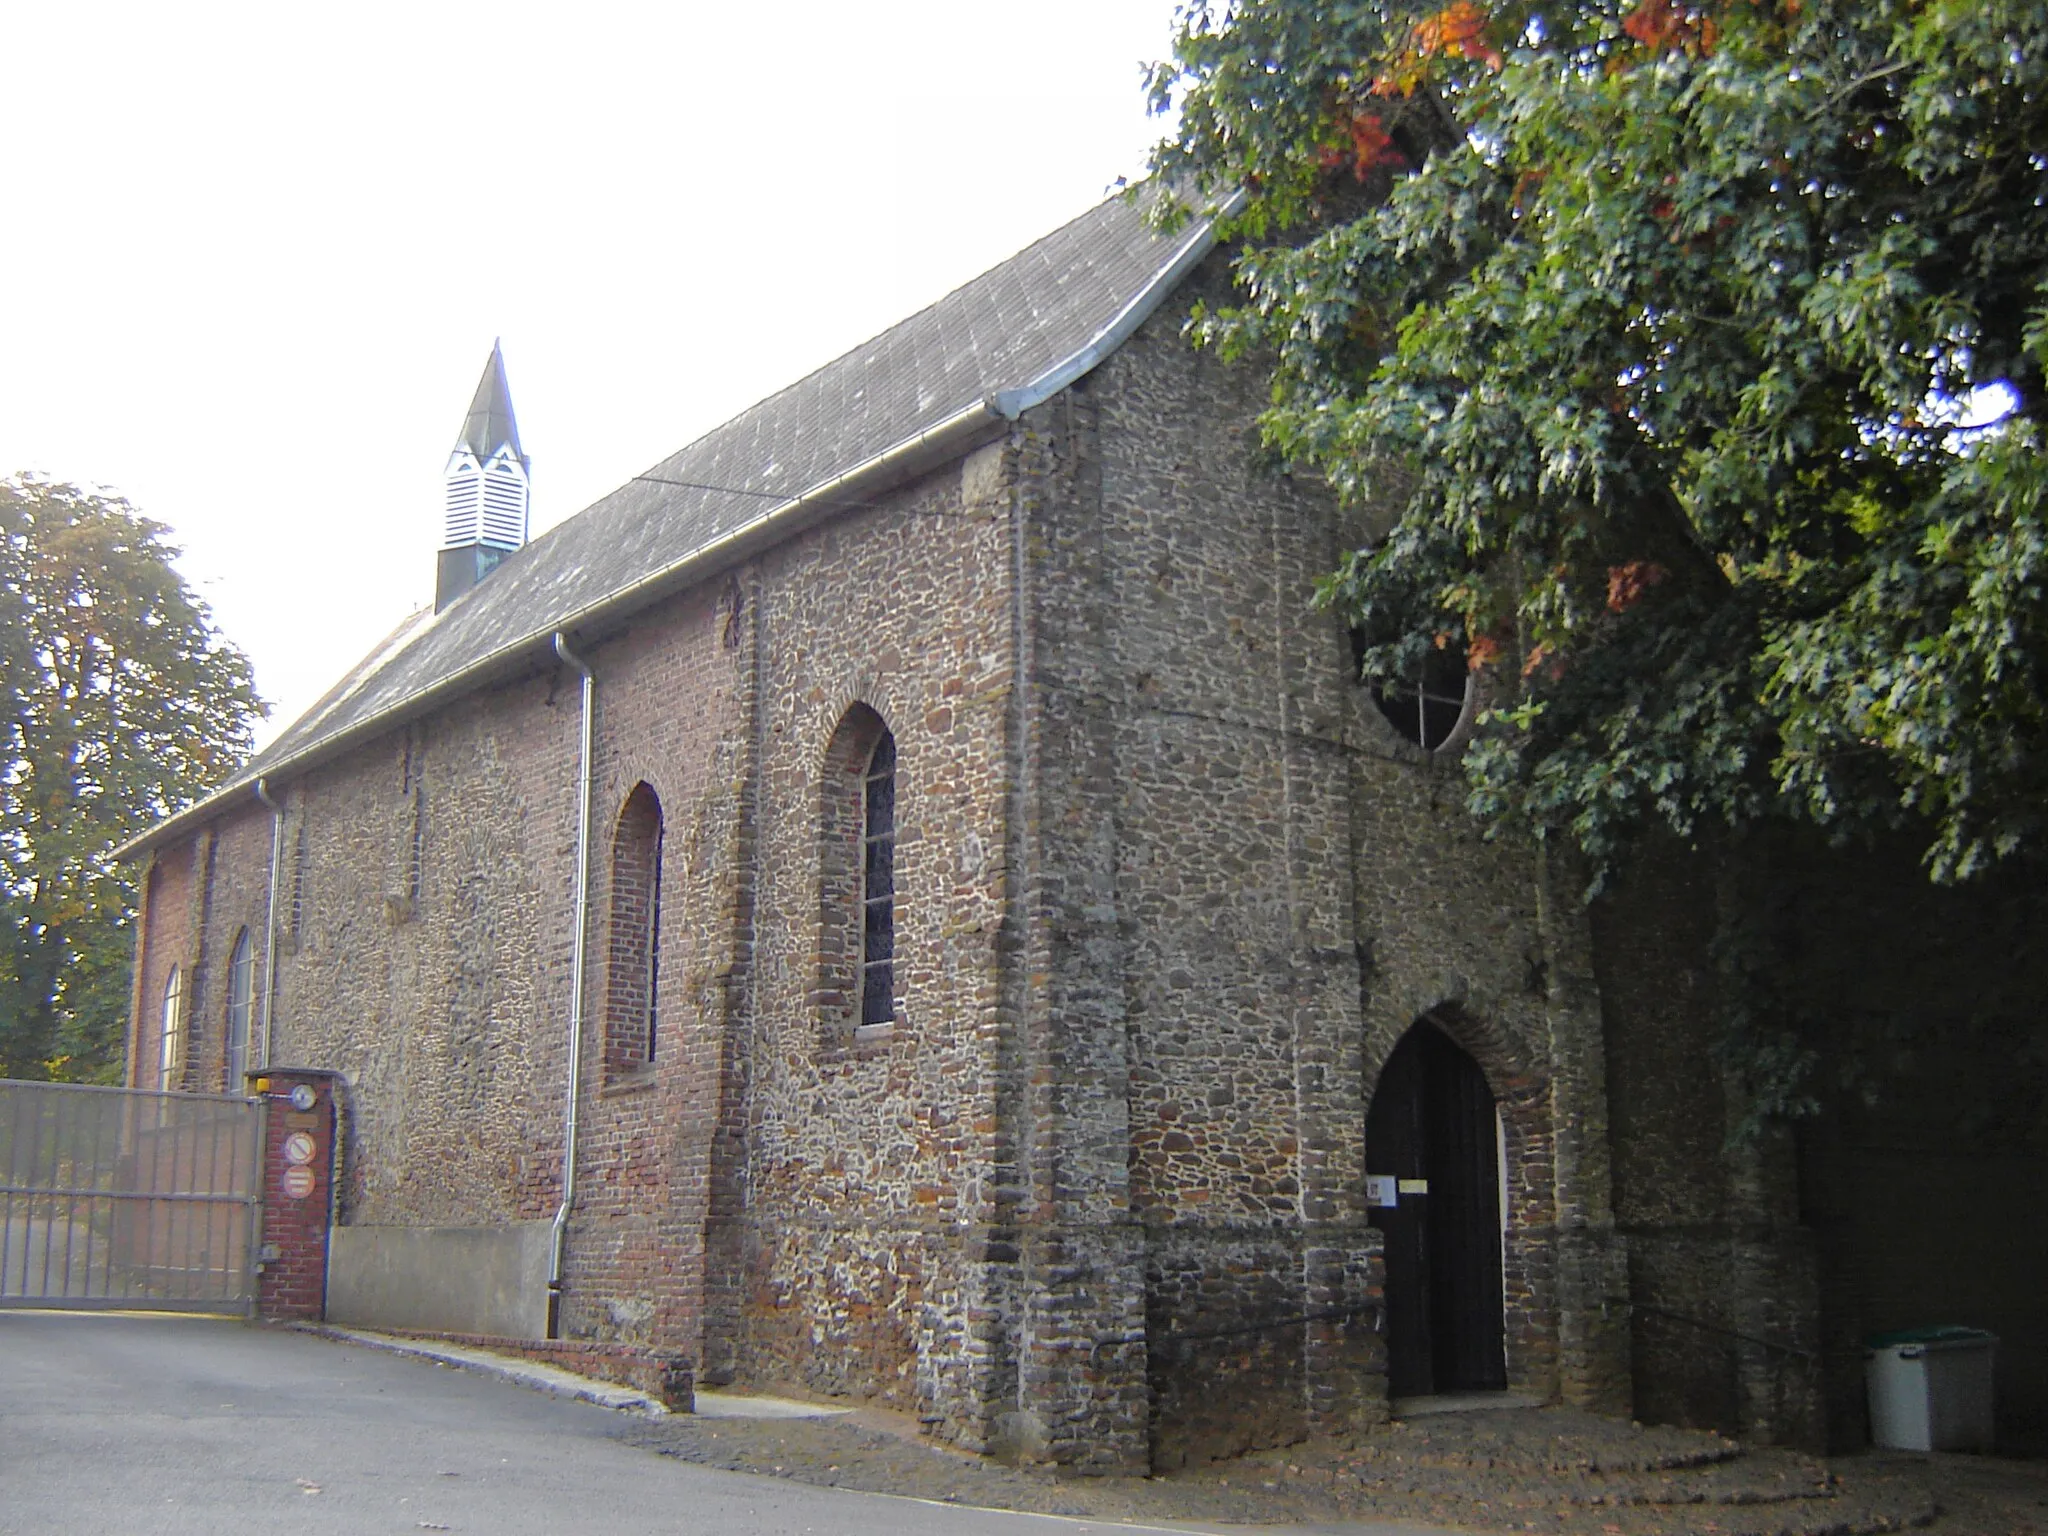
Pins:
x,y
113,1197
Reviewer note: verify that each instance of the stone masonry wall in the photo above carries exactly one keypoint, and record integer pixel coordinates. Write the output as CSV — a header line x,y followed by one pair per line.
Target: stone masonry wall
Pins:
x,y
1209,695
1169,889
1925,1179
428,914
871,1158
1264,888
435,981
237,897
1199,1021
1757,1269
766,1196
1671,1192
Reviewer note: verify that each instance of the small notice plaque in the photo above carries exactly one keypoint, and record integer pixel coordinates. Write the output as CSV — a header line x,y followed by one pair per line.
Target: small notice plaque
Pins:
x,y
1380,1189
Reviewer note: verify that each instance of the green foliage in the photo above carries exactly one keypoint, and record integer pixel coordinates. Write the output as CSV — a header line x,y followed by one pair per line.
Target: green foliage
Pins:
x,y
120,704
1650,332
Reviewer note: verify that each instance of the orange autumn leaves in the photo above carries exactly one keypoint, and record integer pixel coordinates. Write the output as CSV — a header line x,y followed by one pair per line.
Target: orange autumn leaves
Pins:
x,y
1457,31
1661,26
1627,585
1462,30
1369,146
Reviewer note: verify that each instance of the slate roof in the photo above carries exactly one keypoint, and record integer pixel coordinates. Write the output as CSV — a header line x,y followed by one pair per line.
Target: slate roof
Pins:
x,y
1012,336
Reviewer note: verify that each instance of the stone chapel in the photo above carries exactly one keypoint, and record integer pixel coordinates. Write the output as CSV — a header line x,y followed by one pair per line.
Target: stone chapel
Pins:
x,y
906,899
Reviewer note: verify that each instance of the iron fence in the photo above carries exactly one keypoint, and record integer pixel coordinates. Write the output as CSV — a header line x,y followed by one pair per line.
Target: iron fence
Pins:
x,y
114,1197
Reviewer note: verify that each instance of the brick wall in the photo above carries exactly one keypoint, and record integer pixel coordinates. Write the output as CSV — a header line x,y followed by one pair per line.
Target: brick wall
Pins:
x,y
1170,889
298,1191
1155,852
175,896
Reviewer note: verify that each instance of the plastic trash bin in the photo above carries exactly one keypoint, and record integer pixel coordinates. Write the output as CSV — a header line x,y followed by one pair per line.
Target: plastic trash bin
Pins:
x,y
1930,1389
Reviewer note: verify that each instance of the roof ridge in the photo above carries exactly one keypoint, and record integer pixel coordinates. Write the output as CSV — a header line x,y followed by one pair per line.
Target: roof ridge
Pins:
x,y
941,378
1127,196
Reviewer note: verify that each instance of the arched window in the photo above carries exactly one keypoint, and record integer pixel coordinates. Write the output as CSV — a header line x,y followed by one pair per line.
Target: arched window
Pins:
x,y
633,985
878,886
171,1052
857,877
241,995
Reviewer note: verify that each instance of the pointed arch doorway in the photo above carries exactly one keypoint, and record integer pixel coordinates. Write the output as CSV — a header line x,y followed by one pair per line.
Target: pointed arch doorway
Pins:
x,y
1432,1142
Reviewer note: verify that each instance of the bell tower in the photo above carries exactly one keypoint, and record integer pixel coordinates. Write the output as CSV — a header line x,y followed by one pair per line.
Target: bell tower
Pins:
x,y
487,487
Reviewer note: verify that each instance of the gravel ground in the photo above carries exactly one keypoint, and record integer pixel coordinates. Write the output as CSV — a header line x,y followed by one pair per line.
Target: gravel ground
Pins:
x,y
1551,1470
1521,1469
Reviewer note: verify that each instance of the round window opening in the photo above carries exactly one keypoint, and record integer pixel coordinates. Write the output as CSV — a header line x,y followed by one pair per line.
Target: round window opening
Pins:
x,y
1430,707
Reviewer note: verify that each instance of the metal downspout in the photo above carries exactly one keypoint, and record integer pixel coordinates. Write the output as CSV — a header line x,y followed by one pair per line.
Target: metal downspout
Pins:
x,y
569,1108
270,922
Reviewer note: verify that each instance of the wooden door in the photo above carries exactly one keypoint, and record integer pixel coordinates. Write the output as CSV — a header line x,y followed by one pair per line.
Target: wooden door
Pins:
x,y
1432,1127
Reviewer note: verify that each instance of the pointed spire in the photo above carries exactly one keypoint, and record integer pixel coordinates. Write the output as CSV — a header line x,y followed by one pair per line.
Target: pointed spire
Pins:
x,y
490,424
486,489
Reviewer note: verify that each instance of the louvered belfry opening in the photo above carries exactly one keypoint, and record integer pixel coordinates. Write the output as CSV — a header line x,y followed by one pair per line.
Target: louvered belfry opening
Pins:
x,y
486,490
502,514
463,497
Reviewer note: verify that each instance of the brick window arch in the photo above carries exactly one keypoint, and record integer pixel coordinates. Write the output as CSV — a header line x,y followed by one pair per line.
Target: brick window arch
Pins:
x,y
857,876
241,1001
171,1044
633,962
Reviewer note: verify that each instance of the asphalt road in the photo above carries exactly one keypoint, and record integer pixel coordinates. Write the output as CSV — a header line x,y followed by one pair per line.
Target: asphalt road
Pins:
x,y
120,1424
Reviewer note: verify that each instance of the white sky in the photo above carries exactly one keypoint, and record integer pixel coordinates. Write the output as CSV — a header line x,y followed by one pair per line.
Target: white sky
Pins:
x,y
255,255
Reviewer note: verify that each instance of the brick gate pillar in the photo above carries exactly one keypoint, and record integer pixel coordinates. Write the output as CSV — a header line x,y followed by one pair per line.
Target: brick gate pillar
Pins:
x,y
298,1190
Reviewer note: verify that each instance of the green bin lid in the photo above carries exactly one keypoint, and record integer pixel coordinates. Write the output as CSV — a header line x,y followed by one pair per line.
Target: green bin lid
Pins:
x,y
1951,1334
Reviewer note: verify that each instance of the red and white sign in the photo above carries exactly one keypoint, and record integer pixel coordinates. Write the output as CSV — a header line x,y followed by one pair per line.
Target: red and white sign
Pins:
x,y
298,1148
298,1182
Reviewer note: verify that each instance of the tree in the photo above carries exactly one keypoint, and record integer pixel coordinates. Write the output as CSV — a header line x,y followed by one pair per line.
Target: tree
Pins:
x,y
1694,356
122,704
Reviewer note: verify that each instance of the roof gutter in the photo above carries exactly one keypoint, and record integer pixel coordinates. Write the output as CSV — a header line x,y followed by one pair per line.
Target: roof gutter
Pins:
x,y
1012,403
946,438
954,434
